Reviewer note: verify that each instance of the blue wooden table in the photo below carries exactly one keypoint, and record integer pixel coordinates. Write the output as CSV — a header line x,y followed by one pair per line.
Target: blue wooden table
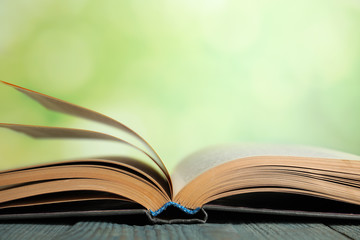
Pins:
x,y
248,229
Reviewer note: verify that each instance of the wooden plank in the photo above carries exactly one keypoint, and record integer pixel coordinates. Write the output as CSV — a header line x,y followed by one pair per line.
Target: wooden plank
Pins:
x,y
88,230
350,230
289,231
245,230
102,230
31,231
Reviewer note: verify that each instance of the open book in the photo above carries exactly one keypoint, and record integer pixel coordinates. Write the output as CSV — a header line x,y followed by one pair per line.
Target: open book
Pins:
x,y
242,178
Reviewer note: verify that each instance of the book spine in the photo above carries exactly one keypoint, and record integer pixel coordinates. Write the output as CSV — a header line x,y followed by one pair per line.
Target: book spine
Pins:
x,y
179,206
172,212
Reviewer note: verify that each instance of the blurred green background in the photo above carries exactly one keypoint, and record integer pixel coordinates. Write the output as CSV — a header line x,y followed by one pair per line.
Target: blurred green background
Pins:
x,y
184,74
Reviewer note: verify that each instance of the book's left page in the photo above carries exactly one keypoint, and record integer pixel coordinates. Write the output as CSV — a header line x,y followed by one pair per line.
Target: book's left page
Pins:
x,y
85,179
107,178
59,105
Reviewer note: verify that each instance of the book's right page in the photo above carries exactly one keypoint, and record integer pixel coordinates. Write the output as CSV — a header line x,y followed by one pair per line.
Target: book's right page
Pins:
x,y
264,202
194,165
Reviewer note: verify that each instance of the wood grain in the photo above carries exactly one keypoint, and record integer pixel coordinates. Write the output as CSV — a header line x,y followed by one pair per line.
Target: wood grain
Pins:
x,y
245,230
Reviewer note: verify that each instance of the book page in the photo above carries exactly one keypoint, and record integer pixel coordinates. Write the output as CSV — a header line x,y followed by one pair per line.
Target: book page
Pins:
x,y
134,165
199,162
123,177
59,105
72,133
59,132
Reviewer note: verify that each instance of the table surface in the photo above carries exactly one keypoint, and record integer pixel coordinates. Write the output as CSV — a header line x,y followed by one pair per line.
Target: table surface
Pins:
x,y
247,229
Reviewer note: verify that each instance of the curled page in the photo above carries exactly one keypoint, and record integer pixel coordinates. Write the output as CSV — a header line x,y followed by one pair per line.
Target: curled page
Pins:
x,y
59,105
59,132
